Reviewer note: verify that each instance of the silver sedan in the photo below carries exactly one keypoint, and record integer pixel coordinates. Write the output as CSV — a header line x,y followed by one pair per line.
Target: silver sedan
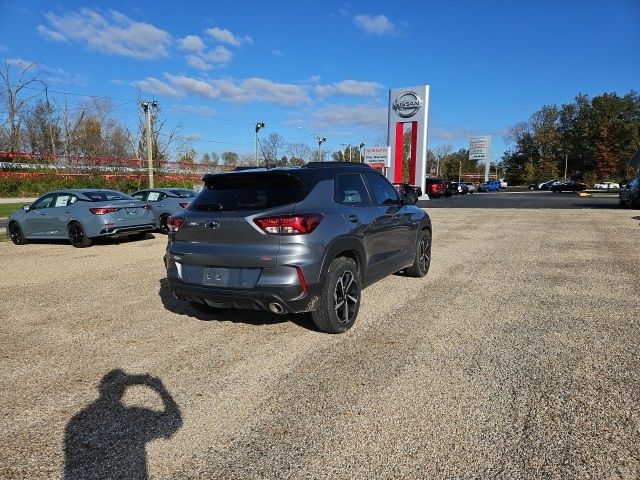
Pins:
x,y
79,216
165,202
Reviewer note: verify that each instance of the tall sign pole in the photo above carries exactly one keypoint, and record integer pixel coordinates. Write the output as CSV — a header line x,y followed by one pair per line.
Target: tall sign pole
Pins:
x,y
408,105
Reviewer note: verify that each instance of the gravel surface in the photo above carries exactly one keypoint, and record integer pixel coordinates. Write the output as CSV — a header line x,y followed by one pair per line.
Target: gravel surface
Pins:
x,y
516,357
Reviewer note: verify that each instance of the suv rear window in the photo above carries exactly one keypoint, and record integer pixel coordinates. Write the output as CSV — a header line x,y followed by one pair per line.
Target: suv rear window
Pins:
x,y
235,192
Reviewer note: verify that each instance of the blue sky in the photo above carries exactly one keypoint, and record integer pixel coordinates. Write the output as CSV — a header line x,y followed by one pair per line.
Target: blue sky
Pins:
x,y
309,67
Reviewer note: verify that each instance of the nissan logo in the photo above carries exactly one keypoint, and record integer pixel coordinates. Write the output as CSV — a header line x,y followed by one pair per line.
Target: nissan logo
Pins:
x,y
407,104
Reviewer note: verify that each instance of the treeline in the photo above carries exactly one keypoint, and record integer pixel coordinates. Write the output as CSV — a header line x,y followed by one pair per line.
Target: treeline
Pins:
x,y
34,121
594,139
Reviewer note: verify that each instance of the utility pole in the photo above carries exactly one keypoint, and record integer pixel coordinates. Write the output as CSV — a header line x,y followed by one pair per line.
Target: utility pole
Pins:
x,y
146,106
460,171
361,154
566,157
259,125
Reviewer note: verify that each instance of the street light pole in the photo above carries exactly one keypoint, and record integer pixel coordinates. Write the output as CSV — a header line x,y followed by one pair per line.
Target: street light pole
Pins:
x,y
146,106
565,165
320,140
460,171
361,155
259,125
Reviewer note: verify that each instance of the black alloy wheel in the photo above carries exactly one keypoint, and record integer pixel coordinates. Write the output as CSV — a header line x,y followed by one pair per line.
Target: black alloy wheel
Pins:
x,y
77,235
15,232
422,259
339,302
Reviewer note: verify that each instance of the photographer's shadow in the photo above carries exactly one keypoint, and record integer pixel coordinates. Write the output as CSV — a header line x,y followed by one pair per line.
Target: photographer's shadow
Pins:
x,y
107,439
251,317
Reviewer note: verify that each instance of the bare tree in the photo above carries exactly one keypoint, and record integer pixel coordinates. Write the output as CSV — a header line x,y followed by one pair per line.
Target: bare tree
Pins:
x,y
16,99
298,153
272,146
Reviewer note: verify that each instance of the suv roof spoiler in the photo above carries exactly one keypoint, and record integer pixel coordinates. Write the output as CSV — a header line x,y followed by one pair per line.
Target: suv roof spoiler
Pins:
x,y
335,164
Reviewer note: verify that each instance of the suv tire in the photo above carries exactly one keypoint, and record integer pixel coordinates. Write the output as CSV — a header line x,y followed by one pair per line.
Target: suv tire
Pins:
x,y
340,299
422,258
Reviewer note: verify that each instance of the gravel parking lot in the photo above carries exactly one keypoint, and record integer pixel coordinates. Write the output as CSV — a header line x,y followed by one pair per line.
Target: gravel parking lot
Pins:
x,y
517,357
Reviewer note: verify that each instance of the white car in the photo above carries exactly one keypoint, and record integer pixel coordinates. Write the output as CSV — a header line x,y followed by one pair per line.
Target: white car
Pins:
x,y
503,184
471,186
607,185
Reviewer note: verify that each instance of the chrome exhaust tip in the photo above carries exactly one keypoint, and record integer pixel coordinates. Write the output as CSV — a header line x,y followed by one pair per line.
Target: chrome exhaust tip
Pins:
x,y
276,308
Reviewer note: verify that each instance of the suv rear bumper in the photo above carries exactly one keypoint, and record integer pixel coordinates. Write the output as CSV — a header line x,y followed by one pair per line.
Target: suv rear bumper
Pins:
x,y
289,297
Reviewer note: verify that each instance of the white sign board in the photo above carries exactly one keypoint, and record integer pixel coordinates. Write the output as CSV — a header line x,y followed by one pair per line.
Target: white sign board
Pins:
x,y
479,148
378,155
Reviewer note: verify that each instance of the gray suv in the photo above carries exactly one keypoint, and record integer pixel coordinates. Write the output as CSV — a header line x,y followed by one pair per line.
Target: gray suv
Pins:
x,y
297,239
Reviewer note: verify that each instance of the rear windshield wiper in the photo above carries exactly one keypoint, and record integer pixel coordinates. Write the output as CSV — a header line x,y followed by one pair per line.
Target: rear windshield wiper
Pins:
x,y
209,207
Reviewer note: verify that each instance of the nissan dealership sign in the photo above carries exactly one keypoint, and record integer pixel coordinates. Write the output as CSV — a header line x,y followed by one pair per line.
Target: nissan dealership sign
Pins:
x,y
407,104
380,155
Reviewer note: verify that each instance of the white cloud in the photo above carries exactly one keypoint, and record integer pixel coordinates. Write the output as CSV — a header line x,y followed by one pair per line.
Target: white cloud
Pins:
x,y
363,116
375,25
225,36
277,53
192,44
3,48
262,90
249,90
191,86
115,34
348,87
218,56
158,87
21,63
198,63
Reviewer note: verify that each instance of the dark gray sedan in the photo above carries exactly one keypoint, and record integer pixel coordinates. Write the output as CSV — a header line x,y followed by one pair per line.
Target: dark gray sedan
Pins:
x,y
165,202
80,215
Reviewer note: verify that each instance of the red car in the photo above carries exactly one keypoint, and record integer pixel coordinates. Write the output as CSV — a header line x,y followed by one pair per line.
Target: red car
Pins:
x,y
436,187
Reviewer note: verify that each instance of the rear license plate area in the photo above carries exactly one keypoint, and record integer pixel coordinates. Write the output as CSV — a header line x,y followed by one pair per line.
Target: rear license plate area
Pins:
x,y
131,211
230,277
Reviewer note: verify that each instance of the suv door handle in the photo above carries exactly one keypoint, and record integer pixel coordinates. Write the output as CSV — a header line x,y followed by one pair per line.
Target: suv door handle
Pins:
x,y
354,219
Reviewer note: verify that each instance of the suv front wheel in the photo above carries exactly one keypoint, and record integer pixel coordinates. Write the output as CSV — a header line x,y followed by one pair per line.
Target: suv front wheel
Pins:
x,y
340,299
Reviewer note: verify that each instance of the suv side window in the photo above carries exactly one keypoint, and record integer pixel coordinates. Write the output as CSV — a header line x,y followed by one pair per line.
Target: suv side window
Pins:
x,y
382,191
350,190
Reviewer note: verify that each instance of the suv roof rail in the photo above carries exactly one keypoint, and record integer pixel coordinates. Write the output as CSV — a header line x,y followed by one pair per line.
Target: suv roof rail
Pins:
x,y
335,164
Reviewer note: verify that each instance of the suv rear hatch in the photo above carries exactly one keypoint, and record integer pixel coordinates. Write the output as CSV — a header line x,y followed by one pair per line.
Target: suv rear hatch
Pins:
x,y
218,242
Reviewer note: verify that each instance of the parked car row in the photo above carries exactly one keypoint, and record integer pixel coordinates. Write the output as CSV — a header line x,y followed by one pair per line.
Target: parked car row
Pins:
x,y
81,215
556,185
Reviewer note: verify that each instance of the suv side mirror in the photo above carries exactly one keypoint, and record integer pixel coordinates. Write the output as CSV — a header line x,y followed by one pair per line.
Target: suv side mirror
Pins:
x,y
410,199
26,207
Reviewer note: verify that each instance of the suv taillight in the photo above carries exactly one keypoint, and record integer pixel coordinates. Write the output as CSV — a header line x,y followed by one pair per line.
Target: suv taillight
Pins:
x,y
102,210
175,223
299,224
184,204
148,207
